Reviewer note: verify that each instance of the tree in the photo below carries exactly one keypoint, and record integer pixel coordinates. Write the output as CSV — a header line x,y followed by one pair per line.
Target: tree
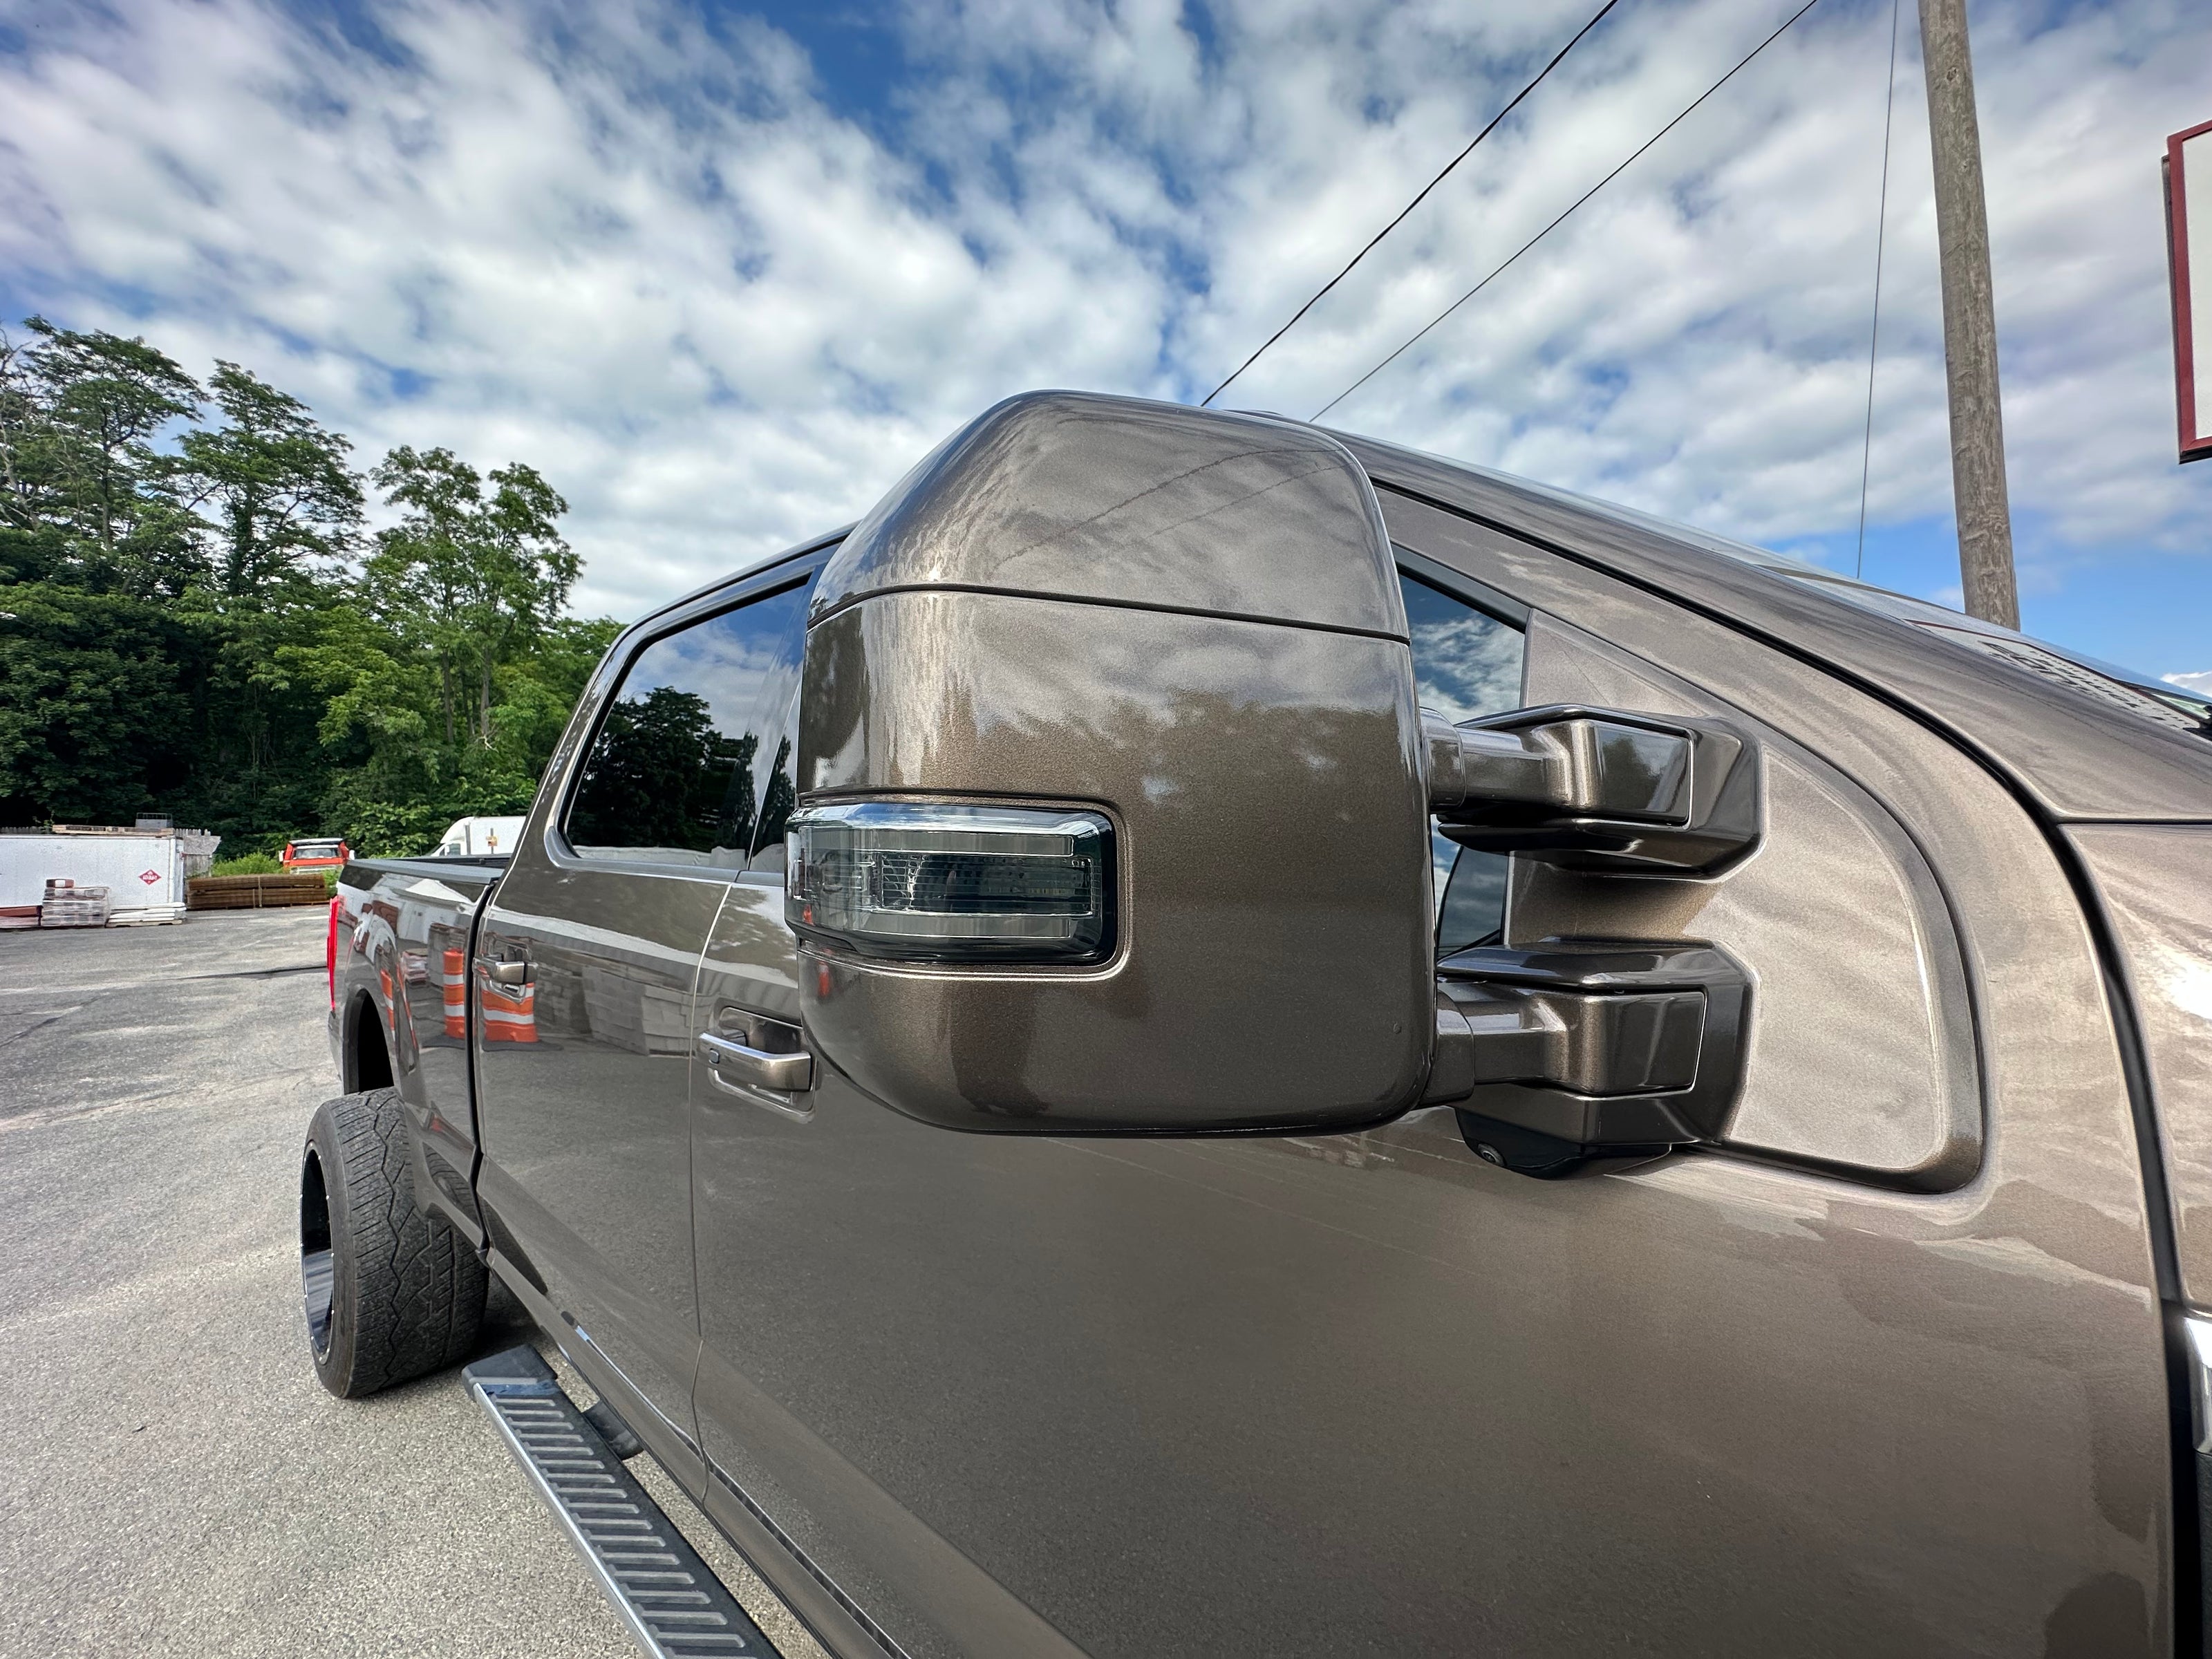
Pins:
x,y
183,627
78,412
477,580
274,483
95,719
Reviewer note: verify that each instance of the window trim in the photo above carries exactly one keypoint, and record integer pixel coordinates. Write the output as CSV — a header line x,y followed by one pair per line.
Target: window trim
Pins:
x,y
1430,572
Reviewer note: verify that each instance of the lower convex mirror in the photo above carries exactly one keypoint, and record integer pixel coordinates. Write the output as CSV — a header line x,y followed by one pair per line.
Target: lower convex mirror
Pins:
x,y
1114,806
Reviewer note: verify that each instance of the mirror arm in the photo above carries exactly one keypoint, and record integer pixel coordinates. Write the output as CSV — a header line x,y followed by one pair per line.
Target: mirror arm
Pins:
x,y
1597,788
1577,1054
1470,765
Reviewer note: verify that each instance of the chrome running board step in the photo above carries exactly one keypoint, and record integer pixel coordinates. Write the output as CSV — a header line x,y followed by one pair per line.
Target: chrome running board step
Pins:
x,y
670,1599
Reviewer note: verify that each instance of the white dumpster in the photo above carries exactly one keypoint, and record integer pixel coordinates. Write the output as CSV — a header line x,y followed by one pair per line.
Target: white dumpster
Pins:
x,y
144,870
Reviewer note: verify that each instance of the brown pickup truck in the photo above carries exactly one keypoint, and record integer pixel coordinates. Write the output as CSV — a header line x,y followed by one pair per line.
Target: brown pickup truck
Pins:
x,y
1206,1037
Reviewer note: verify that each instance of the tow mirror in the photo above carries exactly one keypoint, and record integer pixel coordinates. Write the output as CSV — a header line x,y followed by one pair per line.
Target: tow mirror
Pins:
x,y
1114,816
1113,785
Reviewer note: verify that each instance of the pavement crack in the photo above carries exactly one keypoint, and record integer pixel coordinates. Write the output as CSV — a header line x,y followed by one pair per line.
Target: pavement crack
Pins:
x,y
40,1024
262,973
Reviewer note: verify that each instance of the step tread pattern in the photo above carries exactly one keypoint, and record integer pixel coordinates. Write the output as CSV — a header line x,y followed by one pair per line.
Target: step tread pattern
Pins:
x,y
672,1600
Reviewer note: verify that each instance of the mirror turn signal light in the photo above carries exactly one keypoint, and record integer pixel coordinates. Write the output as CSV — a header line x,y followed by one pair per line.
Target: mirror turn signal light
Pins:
x,y
925,882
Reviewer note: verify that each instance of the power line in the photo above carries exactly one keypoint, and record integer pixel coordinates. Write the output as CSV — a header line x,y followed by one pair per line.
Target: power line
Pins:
x,y
1873,330
1416,202
1557,223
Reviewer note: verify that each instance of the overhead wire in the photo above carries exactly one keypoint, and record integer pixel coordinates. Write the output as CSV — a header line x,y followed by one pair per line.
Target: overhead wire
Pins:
x,y
1873,329
1562,217
1322,293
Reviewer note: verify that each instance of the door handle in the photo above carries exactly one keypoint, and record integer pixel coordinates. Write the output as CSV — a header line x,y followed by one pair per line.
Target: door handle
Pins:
x,y
732,1065
509,973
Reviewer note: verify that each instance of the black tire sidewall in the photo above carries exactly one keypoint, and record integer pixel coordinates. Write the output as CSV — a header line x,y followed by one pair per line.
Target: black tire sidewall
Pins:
x,y
407,1290
336,1366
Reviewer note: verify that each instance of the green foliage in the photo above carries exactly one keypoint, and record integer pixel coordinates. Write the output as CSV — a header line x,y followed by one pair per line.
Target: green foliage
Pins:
x,y
387,830
253,864
193,620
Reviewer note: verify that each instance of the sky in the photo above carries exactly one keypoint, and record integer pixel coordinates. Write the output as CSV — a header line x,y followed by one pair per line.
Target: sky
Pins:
x,y
723,273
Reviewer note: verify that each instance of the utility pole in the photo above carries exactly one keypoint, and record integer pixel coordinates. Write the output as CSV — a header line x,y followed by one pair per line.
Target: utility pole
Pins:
x,y
1970,319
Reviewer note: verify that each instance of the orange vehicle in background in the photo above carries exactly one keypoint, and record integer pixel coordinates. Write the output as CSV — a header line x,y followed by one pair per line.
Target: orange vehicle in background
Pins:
x,y
324,852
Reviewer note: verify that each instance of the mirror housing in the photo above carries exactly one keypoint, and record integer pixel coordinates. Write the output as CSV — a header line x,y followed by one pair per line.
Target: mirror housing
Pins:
x,y
1180,627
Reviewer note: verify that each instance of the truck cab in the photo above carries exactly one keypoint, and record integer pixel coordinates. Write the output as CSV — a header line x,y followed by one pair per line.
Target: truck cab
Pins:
x,y
1207,1036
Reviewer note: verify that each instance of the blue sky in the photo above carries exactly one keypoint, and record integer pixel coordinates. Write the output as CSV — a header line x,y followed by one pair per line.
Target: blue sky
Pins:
x,y
724,272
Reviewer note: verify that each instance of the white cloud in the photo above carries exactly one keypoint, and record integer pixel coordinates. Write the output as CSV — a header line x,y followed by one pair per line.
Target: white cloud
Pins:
x,y
646,254
2200,683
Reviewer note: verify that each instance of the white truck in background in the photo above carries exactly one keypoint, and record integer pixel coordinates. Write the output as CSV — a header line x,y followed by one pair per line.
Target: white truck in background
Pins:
x,y
479,837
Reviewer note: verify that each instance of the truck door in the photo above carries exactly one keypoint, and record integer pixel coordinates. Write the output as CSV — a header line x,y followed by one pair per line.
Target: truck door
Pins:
x,y
1879,1372
585,967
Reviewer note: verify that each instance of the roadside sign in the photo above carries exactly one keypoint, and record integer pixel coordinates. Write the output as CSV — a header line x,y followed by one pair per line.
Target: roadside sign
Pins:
x,y
2188,265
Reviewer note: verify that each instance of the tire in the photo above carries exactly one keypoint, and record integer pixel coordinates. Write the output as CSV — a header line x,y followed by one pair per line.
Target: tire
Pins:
x,y
391,1290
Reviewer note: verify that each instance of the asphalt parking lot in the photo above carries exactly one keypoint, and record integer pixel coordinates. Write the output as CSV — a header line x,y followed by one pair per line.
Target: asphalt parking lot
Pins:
x,y
173,1481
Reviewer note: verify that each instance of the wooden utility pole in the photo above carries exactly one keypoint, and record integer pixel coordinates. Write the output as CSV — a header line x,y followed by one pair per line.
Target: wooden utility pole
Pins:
x,y
1970,319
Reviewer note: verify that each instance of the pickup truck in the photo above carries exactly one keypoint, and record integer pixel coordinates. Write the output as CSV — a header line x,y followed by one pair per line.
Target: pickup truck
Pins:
x,y
1208,1037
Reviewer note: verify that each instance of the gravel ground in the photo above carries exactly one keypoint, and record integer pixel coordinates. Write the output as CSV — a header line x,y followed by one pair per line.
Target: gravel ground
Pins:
x,y
173,1481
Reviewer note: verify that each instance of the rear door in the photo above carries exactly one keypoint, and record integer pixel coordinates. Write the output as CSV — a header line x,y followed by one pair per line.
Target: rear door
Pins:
x,y
1881,1373
585,969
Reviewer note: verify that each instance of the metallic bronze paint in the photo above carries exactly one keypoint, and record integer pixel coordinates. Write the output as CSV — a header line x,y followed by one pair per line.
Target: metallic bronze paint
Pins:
x,y
1121,502
1883,1376
1193,623
1269,818
2156,885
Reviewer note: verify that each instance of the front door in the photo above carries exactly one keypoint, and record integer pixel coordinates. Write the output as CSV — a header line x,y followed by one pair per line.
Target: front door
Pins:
x,y
1309,1396
586,964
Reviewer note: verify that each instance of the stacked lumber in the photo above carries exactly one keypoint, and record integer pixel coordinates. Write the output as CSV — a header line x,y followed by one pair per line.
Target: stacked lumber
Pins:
x,y
255,892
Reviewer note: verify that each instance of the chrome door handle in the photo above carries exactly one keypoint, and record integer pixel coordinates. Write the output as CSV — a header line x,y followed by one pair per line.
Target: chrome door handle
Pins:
x,y
733,1063
509,973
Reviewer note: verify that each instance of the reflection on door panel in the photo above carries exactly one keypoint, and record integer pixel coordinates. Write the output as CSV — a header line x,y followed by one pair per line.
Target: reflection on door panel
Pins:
x,y
586,1079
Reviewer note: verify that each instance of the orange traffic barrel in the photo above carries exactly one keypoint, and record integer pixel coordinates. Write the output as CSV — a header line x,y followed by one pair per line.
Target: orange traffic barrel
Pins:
x,y
509,1013
453,982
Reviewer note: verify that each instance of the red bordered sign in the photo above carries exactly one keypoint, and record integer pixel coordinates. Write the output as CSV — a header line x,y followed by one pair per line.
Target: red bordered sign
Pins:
x,y
2189,262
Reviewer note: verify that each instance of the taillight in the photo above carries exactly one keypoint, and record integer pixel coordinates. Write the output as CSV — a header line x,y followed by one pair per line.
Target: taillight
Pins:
x,y
331,952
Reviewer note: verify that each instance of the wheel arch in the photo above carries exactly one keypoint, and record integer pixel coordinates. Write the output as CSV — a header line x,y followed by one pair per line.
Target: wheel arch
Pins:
x,y
368,1063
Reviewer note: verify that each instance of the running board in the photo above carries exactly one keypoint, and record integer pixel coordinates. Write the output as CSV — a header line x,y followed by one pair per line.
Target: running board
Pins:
x,y
670,1599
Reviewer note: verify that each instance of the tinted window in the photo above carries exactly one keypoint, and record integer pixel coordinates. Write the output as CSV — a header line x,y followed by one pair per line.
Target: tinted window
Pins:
x,y
1467,664
778,758
685,756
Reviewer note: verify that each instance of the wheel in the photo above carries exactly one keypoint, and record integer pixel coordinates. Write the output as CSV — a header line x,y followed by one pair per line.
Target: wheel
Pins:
x,y
391,1290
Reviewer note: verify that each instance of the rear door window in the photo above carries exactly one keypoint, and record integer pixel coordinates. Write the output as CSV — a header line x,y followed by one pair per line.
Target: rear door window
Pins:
x,y
1466,664
688,753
